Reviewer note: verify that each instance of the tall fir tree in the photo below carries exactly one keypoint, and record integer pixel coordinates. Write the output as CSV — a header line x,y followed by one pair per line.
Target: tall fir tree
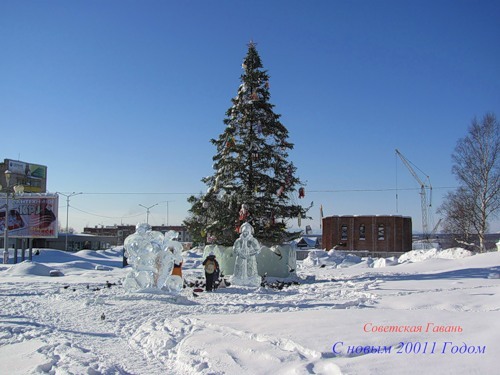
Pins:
x,y
253,180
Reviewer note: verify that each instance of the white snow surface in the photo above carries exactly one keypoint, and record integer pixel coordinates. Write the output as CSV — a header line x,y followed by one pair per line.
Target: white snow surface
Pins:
x,y
434,312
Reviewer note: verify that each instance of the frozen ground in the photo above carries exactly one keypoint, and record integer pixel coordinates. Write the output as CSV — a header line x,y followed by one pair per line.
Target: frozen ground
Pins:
x,y
435,313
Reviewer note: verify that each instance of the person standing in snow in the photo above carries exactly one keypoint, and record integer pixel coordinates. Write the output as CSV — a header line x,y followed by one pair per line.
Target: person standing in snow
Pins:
x,y
211,271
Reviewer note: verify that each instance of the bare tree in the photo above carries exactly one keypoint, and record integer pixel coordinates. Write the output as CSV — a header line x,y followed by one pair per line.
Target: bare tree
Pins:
x,y
456,209
477,167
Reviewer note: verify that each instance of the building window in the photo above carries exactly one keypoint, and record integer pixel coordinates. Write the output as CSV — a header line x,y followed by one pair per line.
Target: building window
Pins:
x,y
381,232
343,235
362,232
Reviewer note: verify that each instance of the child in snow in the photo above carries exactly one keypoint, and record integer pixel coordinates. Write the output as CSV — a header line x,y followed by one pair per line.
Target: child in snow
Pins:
x,y
211,271
177,270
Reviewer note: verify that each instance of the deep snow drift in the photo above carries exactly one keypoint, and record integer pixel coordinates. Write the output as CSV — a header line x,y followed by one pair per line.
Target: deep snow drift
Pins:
x,y
427,312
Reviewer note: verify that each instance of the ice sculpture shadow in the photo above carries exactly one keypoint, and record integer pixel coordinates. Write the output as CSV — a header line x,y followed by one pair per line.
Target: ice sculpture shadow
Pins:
x,y
466,273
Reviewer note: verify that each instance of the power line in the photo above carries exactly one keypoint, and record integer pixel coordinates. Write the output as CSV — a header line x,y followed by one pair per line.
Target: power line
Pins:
x,y
309,191
107,217
135,193
371,190
179,193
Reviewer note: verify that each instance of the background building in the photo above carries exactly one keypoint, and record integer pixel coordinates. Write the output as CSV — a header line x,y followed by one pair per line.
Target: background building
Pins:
x,y
374,234
77,242
120,232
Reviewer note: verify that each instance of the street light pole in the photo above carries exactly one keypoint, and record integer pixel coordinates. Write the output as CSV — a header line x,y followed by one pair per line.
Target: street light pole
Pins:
x,y
147,211
167,213
167,218
67,215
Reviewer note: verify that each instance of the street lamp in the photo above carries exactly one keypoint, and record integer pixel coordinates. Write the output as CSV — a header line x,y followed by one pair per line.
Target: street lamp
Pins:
x,y
147,211
67,214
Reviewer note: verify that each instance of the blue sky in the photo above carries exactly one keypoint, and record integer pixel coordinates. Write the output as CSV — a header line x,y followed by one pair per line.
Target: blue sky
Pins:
x,y
119,99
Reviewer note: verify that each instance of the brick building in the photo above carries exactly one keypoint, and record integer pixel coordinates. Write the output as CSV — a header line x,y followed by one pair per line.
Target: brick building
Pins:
x,y
375,234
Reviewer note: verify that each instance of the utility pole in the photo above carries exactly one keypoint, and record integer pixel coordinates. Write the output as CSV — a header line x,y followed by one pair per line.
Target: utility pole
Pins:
x,y
68,196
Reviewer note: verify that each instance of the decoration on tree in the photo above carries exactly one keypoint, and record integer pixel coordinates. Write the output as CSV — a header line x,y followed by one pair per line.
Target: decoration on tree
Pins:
x,y
254,151
244,213
230,142
244,217
280,190
302,192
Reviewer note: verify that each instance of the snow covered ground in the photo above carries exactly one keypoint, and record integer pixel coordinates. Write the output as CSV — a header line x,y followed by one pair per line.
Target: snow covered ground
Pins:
x,y
427,313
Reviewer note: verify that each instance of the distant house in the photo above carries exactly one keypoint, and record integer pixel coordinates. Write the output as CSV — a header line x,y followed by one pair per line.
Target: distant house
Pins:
x,y
307,242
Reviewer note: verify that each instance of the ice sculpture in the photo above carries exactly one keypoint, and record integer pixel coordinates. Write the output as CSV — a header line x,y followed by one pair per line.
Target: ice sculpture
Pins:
x,y
246,248
277,261
152,256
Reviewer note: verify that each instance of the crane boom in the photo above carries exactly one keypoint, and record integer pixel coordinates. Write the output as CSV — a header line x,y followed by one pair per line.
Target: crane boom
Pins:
x,y
423,194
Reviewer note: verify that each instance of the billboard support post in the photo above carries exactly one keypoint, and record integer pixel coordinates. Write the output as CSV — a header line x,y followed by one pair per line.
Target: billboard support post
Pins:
x,y
6,224
30,253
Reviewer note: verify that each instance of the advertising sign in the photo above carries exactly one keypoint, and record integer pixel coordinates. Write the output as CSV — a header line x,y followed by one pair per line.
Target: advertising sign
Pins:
x,y
32,176
29,215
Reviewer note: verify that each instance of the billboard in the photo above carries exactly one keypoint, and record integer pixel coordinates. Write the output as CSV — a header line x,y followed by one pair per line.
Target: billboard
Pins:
x,y
29,215
32,176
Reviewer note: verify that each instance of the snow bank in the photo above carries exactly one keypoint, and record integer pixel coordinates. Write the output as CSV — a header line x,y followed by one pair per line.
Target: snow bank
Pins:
x,y
340,259
454,253
28,268
384,262
421,255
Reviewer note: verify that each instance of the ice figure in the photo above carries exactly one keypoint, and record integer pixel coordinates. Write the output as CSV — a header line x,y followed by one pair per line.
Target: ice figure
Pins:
x,y
246,248
152,256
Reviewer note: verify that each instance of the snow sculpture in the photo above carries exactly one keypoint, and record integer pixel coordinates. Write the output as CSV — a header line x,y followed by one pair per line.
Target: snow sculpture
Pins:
x,y
246,248
152,256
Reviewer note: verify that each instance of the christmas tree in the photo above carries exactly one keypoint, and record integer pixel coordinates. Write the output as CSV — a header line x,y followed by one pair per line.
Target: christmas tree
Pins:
x,y
253,180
